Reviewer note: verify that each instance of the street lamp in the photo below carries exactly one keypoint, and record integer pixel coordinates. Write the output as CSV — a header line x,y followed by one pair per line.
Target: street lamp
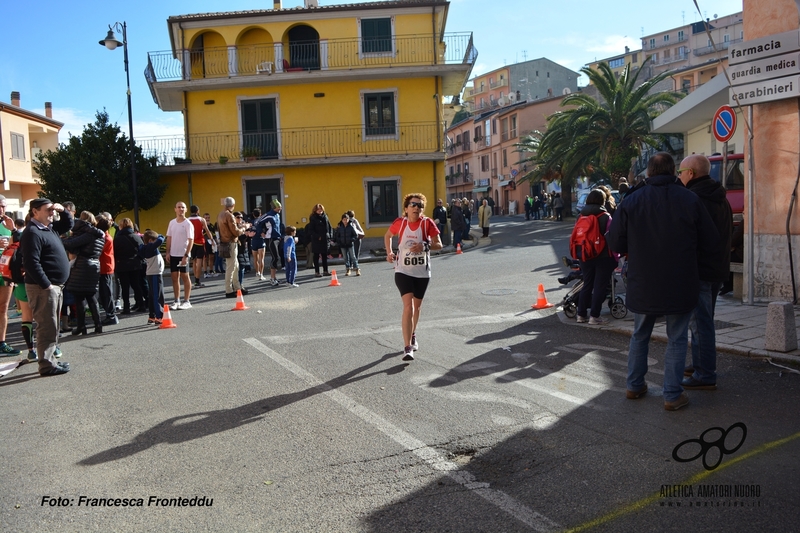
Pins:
x,y
111,42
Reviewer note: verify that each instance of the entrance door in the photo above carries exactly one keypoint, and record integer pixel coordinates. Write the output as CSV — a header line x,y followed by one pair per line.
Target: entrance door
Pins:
x,y
259,129
260,193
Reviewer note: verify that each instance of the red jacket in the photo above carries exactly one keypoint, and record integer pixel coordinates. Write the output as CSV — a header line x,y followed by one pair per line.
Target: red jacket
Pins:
x,y
107,257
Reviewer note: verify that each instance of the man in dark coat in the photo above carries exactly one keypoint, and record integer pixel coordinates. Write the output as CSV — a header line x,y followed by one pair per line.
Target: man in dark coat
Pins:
x,y
714,271
661,227
457,222
46,271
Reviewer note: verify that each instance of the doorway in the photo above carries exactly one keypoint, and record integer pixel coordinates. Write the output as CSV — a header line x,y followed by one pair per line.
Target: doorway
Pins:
x,y
260,193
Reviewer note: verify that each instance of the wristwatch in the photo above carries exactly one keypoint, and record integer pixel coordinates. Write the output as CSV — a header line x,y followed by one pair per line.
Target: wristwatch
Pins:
x,y
426,246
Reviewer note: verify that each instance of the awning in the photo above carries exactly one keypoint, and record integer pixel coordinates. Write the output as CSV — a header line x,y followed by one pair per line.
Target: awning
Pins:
x,y
481,189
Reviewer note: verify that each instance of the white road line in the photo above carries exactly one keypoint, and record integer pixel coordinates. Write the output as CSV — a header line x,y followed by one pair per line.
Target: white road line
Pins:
x,y
431,456
429,324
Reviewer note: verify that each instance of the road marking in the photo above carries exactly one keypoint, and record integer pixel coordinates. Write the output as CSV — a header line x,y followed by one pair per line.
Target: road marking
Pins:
x,y
432,457
644,502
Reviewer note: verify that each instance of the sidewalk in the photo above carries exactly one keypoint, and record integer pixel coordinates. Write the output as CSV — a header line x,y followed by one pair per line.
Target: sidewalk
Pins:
x,y
741,329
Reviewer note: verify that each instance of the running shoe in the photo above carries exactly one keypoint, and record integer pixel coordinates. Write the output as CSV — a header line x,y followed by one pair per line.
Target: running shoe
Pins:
x,y
599,321
409,354
6,350
295,285
32,355
176,305
185,305
57,352
151,320
273,282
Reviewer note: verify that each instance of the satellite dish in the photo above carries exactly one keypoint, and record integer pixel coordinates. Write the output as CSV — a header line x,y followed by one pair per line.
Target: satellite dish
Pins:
x,y
501,101
566,91
511,98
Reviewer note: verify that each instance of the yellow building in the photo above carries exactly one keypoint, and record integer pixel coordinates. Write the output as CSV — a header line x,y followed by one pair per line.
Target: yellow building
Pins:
x,y
339,105
23,134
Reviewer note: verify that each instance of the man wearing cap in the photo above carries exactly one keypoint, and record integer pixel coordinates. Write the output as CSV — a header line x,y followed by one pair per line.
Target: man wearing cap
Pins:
x,y
46,270
229,236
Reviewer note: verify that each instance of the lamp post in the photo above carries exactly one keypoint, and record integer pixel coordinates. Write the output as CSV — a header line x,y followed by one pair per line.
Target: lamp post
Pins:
x,y
111,42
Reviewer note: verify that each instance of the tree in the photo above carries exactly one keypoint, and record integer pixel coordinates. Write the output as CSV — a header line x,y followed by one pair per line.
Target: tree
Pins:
x,y
601,136
94,171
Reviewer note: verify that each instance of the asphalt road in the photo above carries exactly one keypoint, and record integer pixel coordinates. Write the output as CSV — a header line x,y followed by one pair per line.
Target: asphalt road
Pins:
x,y
298,415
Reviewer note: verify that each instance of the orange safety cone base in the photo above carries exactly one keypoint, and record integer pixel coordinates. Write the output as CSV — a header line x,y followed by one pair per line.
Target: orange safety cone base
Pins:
x,y
541,302
458,249
334,280
239,302
167,322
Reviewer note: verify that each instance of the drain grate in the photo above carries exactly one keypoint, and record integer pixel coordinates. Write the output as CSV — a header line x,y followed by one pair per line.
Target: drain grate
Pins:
x,y
499,292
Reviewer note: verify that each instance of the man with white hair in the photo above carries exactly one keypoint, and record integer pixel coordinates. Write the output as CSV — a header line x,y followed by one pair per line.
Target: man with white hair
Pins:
x,y
229,238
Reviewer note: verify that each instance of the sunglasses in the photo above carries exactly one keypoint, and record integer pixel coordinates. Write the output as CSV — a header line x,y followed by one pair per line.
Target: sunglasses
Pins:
x,y
684,170
416,204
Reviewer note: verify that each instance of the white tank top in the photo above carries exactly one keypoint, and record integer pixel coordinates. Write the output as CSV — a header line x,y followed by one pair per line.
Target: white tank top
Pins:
x,y
416,265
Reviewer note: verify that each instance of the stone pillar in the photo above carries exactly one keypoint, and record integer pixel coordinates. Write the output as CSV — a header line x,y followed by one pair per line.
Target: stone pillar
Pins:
x,y
775,149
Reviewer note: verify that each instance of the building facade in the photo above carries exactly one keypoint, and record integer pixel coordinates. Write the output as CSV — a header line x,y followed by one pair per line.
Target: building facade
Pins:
x,y
23,134
340,105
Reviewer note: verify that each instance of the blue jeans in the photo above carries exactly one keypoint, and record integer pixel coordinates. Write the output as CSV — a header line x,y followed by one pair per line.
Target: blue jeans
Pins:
x,y
291,269
156,301
457,236
674,357
350,261
704,339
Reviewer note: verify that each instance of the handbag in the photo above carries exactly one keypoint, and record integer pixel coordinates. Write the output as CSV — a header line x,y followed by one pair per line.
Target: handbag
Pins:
x,y
225,250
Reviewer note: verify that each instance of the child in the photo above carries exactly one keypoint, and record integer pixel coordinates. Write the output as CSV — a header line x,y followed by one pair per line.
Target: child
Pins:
x,y
150,252
346,238
290,253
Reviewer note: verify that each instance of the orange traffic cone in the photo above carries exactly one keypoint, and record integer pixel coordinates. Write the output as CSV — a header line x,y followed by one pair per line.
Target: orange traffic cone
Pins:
x,y
334,280
458,249
239,302
166,321
542,302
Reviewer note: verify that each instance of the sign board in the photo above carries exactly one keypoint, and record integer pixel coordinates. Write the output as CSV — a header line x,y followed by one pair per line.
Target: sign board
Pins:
x,y
765,91
772,45
765,69
724,124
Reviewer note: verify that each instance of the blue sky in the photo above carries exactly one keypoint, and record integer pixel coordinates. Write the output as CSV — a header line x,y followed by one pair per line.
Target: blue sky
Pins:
x,y
49,50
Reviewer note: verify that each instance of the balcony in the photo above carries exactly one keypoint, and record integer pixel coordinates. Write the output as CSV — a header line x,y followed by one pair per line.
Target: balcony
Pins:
x,y
711,49
673,59
304,145
169,73
499,83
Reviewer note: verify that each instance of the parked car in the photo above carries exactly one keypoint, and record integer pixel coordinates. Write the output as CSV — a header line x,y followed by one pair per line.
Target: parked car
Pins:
x,y
734,181
578,206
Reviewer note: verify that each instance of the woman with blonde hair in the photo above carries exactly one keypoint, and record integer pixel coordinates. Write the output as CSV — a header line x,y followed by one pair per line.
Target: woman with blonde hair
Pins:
x,y
417,236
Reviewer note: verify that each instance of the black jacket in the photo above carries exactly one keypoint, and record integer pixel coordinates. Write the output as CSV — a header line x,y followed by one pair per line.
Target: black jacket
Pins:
x,y
662,226
346,236
126,251
87,242
320,233
715,267
43,254
457,219
439,215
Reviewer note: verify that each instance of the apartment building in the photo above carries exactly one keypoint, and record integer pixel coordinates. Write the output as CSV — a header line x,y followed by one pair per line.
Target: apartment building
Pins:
x,y
338,104
617,63
530,80
23,134
482,153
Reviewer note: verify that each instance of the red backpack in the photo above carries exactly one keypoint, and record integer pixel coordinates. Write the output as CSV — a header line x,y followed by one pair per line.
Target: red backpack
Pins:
x,y
586,242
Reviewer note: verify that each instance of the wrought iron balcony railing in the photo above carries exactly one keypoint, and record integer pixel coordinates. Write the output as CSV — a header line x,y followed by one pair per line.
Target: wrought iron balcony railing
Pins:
x,y
292,143
711,49
324,54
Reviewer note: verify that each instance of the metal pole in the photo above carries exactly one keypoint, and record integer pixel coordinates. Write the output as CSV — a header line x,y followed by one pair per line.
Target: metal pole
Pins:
x,y
130,128
751,256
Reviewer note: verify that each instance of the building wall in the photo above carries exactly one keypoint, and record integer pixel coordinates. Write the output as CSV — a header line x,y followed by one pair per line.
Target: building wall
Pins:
x,y
775,148
700,140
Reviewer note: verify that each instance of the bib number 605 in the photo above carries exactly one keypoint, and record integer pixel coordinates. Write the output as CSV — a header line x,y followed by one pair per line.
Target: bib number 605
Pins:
x,y
417,260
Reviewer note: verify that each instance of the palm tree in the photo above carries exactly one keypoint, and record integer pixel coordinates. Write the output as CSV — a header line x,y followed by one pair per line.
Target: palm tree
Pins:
x,y
601,136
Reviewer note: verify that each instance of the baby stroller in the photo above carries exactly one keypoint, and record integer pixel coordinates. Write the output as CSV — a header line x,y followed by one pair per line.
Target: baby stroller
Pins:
x,y
570,302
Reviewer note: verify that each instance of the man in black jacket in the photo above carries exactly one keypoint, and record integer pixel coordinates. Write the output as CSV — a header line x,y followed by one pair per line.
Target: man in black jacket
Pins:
x,y
662,226
46,271
714,269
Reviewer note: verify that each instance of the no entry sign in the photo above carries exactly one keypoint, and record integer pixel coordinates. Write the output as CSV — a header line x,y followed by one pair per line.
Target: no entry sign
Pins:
x,y
724,123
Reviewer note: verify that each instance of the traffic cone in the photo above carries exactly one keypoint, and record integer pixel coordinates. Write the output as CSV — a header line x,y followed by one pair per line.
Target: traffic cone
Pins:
x,y
166,321
334,280
542,302
239,302
458,249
